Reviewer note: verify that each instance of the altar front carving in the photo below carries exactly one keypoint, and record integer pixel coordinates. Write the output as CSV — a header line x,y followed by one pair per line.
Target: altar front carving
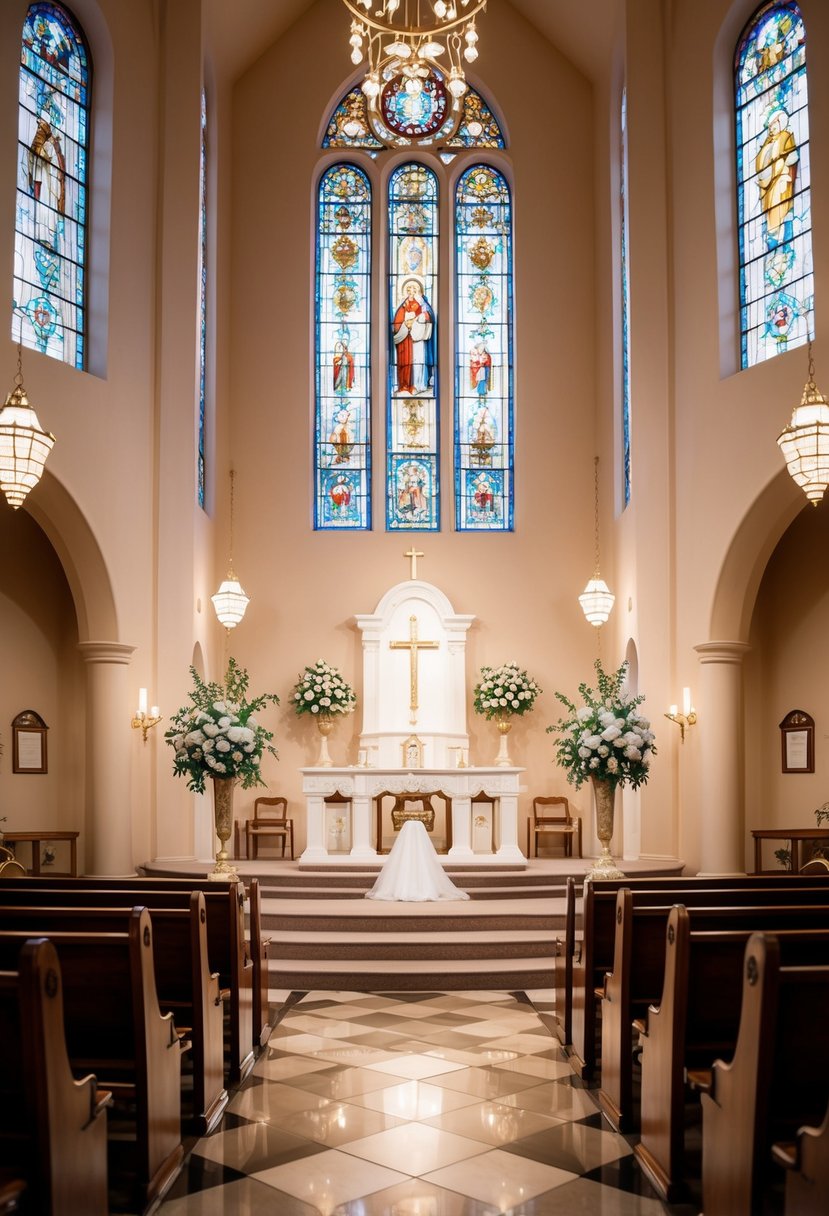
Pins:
x,y
359,787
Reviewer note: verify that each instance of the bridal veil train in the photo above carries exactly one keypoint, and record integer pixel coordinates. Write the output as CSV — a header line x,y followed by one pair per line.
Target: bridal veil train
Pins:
x,y
412,873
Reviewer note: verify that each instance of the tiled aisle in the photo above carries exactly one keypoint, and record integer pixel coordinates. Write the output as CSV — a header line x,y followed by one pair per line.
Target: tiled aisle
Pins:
x,y
418,1104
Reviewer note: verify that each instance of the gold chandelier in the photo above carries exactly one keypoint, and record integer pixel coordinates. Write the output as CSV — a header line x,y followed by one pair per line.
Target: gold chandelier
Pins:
x,y
421,33
805,441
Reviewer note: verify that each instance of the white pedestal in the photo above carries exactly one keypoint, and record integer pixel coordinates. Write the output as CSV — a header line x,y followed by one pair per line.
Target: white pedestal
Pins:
x,y
360,786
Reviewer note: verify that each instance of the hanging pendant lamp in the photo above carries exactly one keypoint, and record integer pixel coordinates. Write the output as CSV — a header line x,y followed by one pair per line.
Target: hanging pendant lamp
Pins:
x,y
597,599
230,601
805,441
24,445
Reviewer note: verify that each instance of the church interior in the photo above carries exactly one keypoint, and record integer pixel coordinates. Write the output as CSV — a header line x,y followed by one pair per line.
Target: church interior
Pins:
x,y
535,318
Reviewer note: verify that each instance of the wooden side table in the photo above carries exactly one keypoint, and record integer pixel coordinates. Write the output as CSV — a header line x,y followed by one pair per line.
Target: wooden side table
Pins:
x,y
796,837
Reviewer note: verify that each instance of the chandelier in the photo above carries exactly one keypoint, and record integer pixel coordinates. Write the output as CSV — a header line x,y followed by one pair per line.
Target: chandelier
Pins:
x,y
597,599
405,41
805,441
24,446
230,600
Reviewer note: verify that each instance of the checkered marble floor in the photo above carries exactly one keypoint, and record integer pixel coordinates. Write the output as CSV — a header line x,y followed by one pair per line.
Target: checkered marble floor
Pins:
x,y
413,1104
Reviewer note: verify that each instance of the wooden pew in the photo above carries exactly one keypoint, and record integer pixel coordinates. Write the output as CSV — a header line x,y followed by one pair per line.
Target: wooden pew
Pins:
x,y
53,1130
568,946
114,1027
806,1160
255,949
776,1083
227,949
696,1020
184,984
594,955
638,968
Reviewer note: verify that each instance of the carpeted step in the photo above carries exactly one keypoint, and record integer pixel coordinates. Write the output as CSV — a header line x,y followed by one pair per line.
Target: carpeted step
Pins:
x,y
412,946
501,975
369,916
358,892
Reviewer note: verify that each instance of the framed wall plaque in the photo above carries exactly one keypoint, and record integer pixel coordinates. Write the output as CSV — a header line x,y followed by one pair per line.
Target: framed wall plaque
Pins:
x,y
29,743
797,737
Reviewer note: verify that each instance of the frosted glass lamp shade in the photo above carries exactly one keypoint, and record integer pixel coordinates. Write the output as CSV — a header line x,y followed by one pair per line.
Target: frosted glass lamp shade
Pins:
x,y
24,447
805,444
230,602
597,601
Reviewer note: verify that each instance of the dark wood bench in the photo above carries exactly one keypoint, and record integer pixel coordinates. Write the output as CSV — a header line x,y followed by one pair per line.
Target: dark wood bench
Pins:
x,y
581,973
227,948
184,984
115,1029
53,1129
806,1161
776,1083
257,944
638,968
696,1020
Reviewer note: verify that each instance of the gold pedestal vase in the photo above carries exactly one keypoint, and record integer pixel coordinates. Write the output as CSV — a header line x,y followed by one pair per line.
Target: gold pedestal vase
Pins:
x,y
223,820
604,794
325,725
504,727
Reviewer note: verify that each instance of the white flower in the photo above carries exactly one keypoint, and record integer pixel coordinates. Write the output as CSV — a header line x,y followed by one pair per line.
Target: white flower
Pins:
x,y
633,753
594,763
584,713
585,753
309,695
612,765
315,709
610,733
222,745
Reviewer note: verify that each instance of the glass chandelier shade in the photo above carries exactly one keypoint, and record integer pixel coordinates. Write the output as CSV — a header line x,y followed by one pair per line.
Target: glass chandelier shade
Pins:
x,y
24,445
805,441
230,601
597,599
409,38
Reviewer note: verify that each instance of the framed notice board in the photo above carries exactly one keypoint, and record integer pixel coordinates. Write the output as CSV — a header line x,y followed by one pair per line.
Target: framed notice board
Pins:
x,y
29,743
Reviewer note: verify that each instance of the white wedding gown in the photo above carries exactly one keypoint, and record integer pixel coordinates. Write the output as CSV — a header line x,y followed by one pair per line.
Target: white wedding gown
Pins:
x,y
412,872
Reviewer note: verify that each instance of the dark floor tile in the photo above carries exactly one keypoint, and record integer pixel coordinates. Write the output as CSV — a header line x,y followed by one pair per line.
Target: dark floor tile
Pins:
x,y
199,1174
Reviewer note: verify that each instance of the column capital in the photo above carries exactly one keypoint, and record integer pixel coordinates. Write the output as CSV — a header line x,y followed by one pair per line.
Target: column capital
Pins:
x,y
722,652
105,652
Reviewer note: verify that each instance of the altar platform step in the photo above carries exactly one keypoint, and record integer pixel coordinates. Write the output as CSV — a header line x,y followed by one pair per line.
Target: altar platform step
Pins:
x,y
327,917
445,975
406,945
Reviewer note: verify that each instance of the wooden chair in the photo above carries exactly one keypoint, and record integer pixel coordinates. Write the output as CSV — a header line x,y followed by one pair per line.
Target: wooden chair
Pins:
x,y
265,824
543,824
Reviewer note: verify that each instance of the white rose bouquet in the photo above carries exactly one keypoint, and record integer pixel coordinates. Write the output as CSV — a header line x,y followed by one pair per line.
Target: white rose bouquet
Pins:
x,y
322,690
218,734
504,690
607,737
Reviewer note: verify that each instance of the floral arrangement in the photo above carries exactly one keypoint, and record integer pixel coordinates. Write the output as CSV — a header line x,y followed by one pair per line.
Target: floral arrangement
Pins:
x,y
217,734
504,690
322,690
607,737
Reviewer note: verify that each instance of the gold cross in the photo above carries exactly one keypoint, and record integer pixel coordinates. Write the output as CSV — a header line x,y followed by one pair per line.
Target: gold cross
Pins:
x,y
413,646
413,555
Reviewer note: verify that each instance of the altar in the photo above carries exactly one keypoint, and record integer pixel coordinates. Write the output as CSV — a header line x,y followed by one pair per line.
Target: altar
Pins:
x,y
357,790
413,741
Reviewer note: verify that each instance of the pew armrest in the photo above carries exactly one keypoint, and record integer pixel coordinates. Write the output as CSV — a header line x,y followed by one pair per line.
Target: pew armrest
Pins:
x,y
701,1079
786,1154
640,1026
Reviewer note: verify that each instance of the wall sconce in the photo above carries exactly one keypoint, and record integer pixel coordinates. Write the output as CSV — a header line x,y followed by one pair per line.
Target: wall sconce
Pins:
x,y
688,717
142,720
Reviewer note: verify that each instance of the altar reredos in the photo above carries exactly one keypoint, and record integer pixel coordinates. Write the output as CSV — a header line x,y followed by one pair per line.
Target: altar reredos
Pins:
x,y
425,695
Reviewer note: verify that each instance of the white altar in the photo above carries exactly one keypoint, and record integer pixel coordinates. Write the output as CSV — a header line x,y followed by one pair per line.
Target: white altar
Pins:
x,y
359,787
413,737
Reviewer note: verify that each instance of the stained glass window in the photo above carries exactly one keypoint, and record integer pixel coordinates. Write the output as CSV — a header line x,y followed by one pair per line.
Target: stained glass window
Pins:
x,y
50,226
400,118
413,417
202,301
773,184
342,444
625,299
483,353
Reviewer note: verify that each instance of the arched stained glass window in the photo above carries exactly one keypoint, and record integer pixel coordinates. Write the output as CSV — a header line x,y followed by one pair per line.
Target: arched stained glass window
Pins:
x,y
625,297
413,418
51,213
405,119
773,184
200,439
342,443
483,352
